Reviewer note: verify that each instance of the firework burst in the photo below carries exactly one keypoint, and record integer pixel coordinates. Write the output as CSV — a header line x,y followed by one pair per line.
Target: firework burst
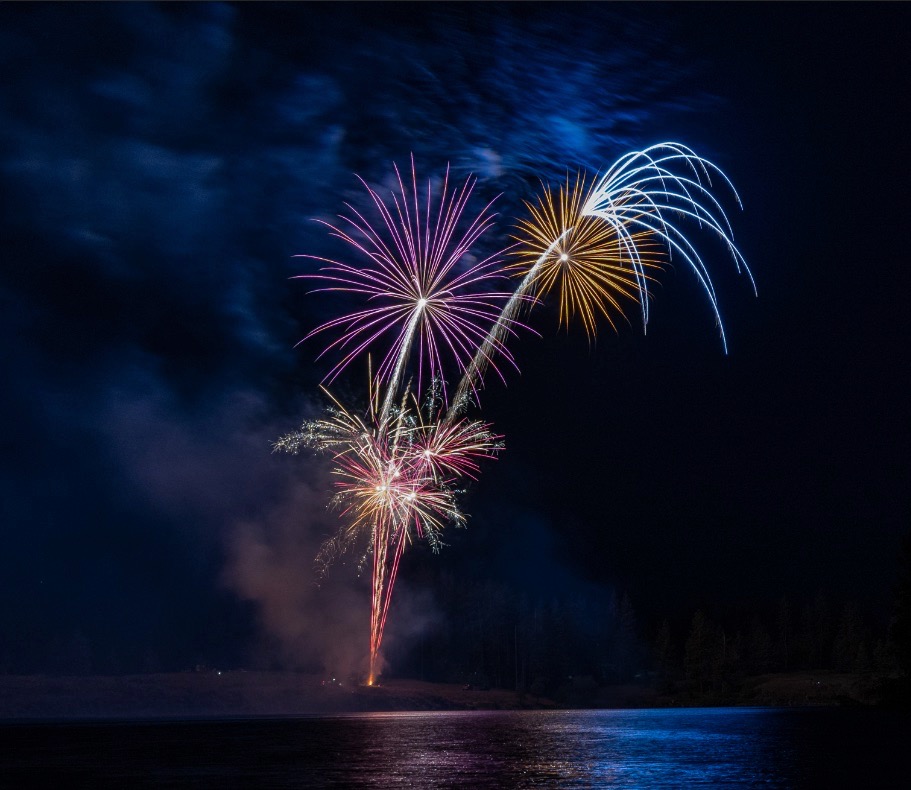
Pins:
x,y
593,268
422,284
395,481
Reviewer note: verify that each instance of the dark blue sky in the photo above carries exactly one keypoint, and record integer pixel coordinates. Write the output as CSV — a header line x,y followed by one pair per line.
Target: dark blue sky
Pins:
x,y
161,165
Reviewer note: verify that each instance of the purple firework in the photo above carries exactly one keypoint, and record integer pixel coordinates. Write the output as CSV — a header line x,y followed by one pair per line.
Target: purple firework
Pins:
x,y
422,285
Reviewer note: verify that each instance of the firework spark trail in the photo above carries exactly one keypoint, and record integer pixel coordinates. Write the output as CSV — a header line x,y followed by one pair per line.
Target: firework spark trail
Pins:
x,y
494,340
639,192
383,597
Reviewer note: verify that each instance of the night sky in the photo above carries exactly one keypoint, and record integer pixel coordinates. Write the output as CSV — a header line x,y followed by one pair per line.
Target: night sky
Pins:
x,y
162,164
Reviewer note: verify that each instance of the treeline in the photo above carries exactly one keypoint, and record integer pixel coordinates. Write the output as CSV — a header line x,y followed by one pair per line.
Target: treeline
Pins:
x,y
716,655
565,646
816,636
489,636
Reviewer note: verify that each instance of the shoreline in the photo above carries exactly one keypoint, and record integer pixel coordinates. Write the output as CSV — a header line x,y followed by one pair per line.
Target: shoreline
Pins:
x,y
246,694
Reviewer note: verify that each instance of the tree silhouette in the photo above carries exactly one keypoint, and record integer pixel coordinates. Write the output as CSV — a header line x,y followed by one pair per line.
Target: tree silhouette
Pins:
x,y
901,623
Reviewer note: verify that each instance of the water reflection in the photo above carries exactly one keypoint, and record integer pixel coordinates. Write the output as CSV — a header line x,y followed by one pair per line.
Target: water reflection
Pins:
x,y
574,748
527,749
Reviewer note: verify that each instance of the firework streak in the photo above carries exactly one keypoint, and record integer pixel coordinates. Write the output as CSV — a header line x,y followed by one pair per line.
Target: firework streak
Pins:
x,y
431,301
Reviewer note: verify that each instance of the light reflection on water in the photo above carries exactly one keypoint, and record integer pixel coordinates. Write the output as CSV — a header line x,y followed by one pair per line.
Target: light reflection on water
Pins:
x,y
523,749
649,748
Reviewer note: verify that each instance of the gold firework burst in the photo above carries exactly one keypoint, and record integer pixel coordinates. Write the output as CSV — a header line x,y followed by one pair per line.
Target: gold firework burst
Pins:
x,y
592,264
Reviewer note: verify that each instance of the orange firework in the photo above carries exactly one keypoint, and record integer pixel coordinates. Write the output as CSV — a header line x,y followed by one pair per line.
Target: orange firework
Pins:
x,y
592,267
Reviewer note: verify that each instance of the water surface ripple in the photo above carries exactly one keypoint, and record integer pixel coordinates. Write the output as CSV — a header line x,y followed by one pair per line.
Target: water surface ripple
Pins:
x,y
498,749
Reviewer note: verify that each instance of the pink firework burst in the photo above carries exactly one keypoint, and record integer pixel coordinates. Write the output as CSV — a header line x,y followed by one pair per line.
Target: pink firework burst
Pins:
x,y
450,447
422,285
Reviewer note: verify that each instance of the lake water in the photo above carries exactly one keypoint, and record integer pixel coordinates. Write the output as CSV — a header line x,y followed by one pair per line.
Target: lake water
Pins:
x,y
715,747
